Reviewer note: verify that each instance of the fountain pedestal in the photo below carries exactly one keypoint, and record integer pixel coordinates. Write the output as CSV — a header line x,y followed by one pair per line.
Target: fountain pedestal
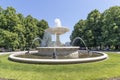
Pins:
x,y
58,43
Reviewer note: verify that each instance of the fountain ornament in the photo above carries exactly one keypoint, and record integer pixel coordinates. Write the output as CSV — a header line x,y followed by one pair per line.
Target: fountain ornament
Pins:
x,y
55,52
57,31
57,22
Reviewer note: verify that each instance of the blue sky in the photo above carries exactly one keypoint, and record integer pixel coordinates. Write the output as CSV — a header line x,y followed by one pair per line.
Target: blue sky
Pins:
x,y
68,11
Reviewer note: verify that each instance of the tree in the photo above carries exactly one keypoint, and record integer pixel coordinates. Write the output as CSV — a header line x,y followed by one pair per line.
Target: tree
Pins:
x,y
100,29
22,30
30,30
9,24
111,27
79,31
42,25
94,27
89,29
8,39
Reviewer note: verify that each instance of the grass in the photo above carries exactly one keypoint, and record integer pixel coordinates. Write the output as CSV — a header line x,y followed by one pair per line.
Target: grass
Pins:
x,y
90,71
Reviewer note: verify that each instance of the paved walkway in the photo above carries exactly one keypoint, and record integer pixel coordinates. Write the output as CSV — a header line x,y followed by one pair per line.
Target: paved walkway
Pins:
x,y
3,53
112,51
118,52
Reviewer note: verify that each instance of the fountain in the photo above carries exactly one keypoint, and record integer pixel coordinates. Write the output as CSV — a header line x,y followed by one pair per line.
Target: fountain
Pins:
x,y
56,48
56,52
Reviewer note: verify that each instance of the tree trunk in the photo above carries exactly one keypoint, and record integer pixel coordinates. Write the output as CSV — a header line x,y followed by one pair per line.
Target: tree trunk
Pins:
x,y
116,47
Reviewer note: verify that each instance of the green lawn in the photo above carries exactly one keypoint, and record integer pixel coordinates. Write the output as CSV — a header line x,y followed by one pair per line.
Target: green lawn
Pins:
x,y
87,71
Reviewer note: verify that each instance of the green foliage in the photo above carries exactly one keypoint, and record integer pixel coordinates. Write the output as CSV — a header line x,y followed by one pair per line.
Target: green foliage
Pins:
x,y
93,21
30,29
42,25
8,39
100,29
111,26
17,31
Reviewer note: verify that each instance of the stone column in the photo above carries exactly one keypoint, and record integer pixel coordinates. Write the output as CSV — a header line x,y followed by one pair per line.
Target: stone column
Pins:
x,y
58,43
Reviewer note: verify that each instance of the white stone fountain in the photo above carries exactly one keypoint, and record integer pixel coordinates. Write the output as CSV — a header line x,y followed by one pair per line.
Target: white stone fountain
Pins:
x,y
58,48
49,51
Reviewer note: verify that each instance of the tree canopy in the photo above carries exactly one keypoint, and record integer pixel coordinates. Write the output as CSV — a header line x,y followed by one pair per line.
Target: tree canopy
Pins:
x,y
100,29
17,31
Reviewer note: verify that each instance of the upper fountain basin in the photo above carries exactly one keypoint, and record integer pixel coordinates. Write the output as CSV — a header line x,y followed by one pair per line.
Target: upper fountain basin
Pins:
x,y
57,30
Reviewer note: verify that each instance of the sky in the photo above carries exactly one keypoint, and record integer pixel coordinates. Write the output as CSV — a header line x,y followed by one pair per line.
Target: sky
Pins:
x,y
68,11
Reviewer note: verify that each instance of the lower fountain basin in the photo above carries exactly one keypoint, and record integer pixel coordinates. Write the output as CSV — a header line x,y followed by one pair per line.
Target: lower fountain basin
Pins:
x,y
60,51
14,57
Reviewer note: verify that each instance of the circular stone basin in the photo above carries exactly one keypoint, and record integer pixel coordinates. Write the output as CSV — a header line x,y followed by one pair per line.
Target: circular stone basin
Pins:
x,y
72,58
